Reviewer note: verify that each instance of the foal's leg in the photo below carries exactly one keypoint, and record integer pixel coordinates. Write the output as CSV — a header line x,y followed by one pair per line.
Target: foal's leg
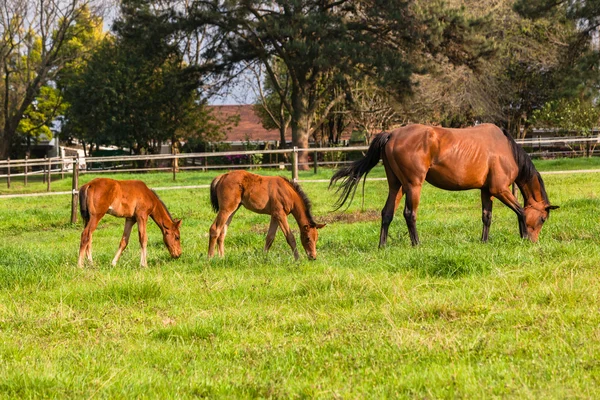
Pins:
x,y
486,213
215,232
511,202
413,196
391,204
129,222
271,234
85,246
285,228
142,222
221,239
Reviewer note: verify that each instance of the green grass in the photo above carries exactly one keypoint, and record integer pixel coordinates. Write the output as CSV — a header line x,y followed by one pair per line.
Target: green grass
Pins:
x,y
450,318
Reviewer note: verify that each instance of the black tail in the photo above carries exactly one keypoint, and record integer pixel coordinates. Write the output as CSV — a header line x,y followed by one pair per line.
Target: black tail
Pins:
x,y
83,208
351,174
213,194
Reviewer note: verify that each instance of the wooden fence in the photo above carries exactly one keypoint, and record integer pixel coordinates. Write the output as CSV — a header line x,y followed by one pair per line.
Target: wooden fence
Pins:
x,y
48,167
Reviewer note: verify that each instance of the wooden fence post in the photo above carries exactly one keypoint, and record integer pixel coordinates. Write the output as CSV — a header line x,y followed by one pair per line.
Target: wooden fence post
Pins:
x,y
49,174
8,172
174,167
295,164
44,171
316,161
75,190
25,174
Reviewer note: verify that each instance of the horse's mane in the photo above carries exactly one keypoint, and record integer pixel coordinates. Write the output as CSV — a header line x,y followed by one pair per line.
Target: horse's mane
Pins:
x,y
304,198
163,203
527,171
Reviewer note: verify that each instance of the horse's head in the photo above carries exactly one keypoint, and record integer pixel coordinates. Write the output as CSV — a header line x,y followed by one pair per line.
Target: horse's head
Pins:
x,y
309,236
535,216
171,237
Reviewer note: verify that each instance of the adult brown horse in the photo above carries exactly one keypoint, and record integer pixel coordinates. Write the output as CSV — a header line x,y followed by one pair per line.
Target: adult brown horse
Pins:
x,y
482,157
273,195
135,202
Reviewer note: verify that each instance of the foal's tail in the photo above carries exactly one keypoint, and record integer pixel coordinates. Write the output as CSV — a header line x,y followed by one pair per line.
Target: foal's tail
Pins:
x,y
213,193
351,174
83,207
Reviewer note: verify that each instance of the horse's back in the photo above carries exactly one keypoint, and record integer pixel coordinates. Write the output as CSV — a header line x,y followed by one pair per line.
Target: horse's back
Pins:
x,y
452,159
257,193
119,198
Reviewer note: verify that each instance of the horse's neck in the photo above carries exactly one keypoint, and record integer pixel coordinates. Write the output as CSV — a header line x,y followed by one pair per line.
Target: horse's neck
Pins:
x,y
160,215
299,211
532,191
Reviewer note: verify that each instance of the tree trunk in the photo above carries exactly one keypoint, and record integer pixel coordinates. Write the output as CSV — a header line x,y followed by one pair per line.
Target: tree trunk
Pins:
x,y
5,143
301,124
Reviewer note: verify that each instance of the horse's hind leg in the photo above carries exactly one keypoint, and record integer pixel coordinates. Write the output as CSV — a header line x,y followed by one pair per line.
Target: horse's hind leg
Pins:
x,y
129,222
85,246
221,238
216,229
413,196
486,213
391,204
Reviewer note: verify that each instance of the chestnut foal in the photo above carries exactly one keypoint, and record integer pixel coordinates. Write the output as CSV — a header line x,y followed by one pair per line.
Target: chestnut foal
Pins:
x,y
273,195
135,202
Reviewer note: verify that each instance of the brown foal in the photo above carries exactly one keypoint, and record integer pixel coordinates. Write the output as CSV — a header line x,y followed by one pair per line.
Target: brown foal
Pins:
x,y
482,157
135,202
275,196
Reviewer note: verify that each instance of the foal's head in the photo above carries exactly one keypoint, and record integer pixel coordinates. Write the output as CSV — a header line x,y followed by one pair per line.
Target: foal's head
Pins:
x,y
309,236
171,237
535,216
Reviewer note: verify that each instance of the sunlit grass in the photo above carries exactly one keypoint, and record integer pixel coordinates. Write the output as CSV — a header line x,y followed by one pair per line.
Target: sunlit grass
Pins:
x,y
450,318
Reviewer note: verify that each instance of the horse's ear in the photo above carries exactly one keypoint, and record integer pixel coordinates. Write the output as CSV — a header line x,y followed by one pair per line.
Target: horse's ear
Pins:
x,y
306,228
551,208
177,223
319,226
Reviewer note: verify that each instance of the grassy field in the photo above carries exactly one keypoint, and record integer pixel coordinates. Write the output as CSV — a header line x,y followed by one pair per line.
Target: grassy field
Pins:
x,y
450,318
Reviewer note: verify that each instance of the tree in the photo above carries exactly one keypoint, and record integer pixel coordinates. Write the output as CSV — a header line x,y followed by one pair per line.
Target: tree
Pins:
x,y
521,74
35,44
324,43
574,116
142,91
270,107
371,109
580,77
39,116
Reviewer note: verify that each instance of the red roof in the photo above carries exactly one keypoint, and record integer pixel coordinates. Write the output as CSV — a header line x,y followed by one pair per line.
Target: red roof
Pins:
x,y
249,127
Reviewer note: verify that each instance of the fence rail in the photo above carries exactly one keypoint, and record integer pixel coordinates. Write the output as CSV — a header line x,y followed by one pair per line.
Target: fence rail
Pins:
x,y
47,167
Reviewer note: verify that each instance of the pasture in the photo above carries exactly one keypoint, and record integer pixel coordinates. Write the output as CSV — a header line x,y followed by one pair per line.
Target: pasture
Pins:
x,y
449,318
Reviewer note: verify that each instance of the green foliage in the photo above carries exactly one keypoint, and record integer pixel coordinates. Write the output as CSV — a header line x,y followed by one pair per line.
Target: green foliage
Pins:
x,y
39,116
570,116
142,92
35,52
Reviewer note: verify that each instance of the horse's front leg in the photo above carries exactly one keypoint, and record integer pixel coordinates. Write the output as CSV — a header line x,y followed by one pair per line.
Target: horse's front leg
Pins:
x,y
486,213
271,234
142,222
289,236
511,202
129,222
413,196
